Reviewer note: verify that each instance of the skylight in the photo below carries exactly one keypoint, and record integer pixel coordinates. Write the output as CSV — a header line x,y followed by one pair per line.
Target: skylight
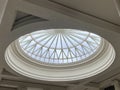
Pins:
x,y
60,46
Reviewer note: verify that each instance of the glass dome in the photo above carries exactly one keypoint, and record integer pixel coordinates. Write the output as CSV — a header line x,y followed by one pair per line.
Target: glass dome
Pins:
x,y
60,46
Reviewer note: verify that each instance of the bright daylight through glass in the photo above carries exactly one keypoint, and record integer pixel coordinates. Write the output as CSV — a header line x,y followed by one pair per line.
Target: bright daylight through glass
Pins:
x,y
60,46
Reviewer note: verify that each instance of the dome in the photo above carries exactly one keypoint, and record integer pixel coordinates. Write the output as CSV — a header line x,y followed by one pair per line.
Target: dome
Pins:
x,y
59,54
60,46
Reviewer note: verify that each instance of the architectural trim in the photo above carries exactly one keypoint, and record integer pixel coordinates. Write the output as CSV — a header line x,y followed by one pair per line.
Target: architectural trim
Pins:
x,y
117,5
38,71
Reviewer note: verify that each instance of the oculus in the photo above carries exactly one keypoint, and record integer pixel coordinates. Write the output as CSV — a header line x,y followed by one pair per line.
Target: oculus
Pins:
x,y
59,54
60,46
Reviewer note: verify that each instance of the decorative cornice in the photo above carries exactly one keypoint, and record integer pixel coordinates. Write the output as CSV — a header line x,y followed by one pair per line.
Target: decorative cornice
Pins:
x,y
37,71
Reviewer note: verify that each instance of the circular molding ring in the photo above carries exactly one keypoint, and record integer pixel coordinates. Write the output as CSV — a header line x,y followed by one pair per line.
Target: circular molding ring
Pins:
x,y
38,71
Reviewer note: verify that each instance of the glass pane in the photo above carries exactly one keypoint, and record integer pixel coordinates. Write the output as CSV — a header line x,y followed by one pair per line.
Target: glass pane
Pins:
x,y
60,46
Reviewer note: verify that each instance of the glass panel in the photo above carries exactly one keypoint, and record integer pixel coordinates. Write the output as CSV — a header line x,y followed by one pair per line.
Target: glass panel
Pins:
x,y
60,46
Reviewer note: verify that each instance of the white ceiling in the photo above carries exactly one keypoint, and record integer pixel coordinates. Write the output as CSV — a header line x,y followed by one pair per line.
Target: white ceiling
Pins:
x,y
104,9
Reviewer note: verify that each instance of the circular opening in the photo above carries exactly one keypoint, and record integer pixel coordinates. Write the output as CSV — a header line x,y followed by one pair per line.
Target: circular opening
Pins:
x,y
60,46
60,55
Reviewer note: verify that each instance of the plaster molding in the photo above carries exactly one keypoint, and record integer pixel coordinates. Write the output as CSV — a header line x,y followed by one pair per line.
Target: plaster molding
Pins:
x,y
36,71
